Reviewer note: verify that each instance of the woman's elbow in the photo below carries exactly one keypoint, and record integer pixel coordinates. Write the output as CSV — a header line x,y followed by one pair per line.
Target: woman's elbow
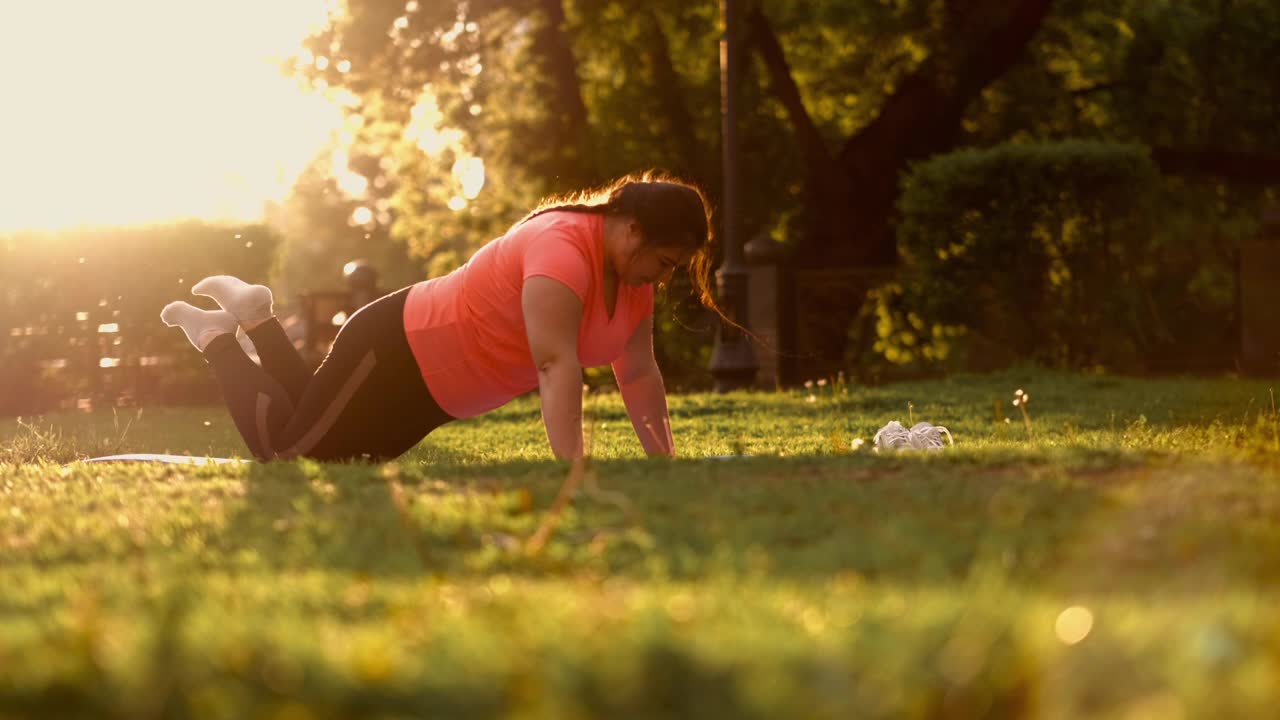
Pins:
x,y
631,374
550,365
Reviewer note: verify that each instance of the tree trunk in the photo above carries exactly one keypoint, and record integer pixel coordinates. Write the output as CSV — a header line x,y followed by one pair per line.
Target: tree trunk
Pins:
x,y
828,192
670,97
569,125
851,196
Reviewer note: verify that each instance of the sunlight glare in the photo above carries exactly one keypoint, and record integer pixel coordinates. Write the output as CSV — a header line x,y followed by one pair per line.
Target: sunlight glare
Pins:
x,y
129,116
352,183
469,171
361,216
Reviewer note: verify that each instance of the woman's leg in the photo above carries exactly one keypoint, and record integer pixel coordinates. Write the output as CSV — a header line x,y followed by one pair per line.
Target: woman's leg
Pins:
x,y
366,400
253,306
280,358
258,404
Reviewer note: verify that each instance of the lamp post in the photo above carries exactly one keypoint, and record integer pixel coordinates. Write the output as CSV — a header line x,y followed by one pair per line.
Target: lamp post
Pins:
x,y
733,364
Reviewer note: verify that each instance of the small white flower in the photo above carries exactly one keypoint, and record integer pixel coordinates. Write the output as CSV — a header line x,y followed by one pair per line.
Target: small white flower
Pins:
x,y
856,444
1016,402
808,384
1018,393
822,382
1026,398
811,399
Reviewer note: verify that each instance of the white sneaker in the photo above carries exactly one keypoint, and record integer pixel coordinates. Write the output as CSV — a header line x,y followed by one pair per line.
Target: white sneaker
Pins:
x,y
921,436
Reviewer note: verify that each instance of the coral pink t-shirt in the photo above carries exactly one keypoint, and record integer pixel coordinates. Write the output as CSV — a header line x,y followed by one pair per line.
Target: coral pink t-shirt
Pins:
x,y
467,331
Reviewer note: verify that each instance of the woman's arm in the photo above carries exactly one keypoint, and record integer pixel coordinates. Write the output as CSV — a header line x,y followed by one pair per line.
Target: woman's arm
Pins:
x,y
643,392
552,313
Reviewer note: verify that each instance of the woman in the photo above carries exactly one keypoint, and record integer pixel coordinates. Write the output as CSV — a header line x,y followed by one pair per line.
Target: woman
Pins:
x,y
568,286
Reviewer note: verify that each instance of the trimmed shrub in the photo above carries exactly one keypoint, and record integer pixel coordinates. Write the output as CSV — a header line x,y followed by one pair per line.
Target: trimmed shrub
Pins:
x,y
1015,253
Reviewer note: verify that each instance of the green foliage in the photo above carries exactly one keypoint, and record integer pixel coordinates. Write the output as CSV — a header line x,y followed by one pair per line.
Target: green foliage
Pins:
x,y
1191,73
1176,74
318,236
810,580
1193,305
504,82
1039,252
1195,73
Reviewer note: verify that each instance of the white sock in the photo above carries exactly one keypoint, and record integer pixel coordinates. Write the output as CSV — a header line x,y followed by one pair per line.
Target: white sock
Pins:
x,y
201,326
251,304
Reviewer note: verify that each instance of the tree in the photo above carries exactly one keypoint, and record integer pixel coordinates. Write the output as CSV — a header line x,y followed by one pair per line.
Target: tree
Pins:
x,y
551,95
1189,79
323,226
440,84
851,188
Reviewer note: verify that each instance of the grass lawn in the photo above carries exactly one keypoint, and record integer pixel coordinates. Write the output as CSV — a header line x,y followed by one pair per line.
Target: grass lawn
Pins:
x,y
1119,557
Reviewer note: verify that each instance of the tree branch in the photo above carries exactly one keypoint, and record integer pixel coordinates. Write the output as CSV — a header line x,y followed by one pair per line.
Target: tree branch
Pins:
x,y
923,115
762,37
667,81
552,44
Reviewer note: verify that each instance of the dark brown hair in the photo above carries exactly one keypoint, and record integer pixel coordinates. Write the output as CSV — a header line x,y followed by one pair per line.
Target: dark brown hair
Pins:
x,y
671,213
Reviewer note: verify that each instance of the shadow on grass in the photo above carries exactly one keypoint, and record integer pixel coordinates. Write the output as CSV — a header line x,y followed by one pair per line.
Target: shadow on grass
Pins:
x,y
303,515
800,519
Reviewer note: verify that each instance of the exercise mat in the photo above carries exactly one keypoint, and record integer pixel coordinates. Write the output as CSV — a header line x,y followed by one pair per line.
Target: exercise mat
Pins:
x,y
169,459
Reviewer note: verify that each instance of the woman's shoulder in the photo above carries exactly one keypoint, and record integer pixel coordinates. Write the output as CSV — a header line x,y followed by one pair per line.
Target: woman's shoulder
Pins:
x,y
557,227
571,221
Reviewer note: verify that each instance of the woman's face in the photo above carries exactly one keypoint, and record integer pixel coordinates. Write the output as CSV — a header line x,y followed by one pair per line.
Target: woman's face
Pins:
x,y
641,263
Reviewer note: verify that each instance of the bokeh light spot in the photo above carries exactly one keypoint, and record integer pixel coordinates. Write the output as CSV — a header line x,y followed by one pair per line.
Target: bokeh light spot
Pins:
x,y
1073,624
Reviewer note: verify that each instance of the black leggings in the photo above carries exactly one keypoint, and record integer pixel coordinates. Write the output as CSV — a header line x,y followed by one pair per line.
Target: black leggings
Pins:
x,y
367,400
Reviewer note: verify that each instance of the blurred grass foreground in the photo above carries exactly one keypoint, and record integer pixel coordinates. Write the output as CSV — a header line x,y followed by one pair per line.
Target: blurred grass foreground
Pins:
x,y
1111,553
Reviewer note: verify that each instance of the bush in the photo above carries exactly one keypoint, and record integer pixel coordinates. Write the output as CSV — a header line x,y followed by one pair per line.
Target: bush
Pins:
x,y
1034,253
80,311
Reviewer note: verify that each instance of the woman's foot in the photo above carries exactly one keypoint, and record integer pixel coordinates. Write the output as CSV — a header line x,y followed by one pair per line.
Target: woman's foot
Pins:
x,y
250,304
201,326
